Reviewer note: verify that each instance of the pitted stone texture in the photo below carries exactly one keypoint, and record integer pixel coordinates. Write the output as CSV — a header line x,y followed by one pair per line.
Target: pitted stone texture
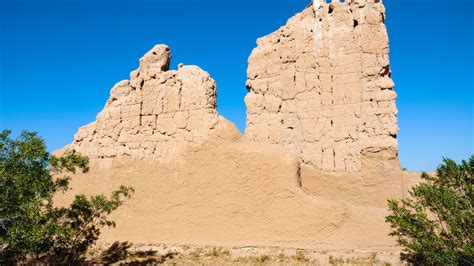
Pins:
x,y
156,114
321,86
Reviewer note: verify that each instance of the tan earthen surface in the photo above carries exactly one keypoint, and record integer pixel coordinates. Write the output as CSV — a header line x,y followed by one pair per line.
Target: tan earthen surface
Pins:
x,y
320,86
155,114
314,169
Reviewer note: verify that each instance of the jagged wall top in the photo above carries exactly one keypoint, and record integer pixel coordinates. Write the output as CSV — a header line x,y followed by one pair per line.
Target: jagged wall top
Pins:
x,y
155,114
321,86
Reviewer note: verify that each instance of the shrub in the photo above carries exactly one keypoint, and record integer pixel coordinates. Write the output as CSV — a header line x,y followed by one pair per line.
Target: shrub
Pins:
x,y
435,225
31,227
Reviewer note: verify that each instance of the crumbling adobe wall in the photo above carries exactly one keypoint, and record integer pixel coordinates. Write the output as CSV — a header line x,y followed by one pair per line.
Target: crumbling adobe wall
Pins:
x,y
156,114
320,86
229,192
314,169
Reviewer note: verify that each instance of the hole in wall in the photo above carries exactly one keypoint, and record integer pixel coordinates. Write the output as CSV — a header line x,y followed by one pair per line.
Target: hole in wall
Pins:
x,y
356,23
331,9
385,71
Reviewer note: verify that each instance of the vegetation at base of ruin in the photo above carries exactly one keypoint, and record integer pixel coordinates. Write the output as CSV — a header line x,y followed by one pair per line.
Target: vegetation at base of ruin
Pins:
x,y
120,253
435,225
32,229
300,256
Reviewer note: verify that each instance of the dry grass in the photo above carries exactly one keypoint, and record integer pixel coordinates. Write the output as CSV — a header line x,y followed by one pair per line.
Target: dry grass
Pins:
x,y
125,253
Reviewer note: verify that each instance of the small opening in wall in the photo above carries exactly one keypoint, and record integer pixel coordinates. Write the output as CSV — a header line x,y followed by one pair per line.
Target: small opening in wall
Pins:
x,y
248,88
385,71
331,9
376,1
356,23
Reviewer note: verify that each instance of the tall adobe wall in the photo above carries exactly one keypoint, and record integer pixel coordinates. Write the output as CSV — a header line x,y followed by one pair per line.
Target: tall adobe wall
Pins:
x,y
156,114
321,87
320,92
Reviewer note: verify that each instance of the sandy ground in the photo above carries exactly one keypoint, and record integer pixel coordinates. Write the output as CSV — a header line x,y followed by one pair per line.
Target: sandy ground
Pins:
x,y
120,253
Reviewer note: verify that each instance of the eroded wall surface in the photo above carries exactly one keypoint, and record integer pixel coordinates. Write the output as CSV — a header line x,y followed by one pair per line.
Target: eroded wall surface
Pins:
x,y
321,86
233,193
314,169
155,114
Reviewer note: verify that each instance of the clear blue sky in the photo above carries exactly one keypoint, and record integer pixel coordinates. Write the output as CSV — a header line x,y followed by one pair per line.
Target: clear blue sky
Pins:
x,y
59,59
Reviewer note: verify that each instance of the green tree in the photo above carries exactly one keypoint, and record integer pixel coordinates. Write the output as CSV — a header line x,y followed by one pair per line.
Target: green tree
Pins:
x,y
435,225
31,227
